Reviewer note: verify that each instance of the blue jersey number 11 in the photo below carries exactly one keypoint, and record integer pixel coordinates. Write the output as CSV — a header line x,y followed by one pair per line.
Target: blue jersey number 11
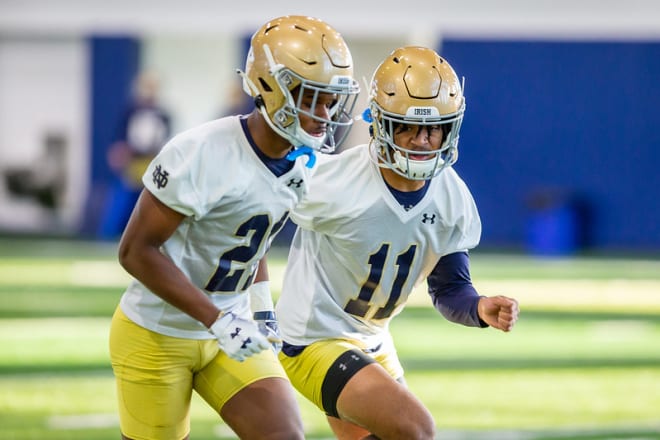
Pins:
x,y
361,305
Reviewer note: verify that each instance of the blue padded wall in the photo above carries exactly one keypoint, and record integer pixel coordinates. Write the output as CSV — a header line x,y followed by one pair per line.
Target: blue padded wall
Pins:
x,y
114,61
579,119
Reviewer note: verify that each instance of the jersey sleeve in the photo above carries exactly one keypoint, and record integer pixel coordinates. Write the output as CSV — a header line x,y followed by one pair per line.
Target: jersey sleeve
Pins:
x,y
305,214
316,203
452,291
173,177
465,218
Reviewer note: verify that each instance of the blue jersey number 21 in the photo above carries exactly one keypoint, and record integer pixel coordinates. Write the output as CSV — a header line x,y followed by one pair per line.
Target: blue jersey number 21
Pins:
x,y
227,277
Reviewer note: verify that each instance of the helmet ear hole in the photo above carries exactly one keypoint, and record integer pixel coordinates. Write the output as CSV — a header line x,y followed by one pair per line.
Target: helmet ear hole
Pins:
x,y
264,85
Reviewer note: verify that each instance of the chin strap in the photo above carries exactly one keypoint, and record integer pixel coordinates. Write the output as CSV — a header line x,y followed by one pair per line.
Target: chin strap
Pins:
x,y
303,151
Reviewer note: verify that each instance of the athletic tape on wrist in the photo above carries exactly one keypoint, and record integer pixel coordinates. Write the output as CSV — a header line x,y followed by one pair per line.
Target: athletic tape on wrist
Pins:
x,y
260,297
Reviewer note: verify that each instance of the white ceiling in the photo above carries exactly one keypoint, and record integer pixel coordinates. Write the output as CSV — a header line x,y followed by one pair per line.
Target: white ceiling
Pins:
x,y
570,19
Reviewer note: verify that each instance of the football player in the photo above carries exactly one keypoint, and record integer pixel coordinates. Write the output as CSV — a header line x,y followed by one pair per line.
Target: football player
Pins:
x,y
214,199
379,219
145,126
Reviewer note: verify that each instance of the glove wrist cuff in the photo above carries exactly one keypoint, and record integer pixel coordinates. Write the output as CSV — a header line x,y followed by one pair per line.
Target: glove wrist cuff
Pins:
x,y
264,315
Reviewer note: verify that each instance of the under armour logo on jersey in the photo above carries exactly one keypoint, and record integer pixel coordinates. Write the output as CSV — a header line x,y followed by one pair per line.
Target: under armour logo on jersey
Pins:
x,y
160,177
295,182
426,218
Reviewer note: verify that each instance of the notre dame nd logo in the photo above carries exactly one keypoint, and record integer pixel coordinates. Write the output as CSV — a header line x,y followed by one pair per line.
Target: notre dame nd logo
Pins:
x,y
160,177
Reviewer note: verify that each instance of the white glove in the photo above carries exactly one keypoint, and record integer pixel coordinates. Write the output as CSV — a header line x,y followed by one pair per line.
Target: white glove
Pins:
x,y
261,302
238,337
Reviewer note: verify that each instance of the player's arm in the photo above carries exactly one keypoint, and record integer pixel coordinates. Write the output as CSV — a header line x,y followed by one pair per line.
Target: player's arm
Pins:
x,y
453,294
261,303
150,225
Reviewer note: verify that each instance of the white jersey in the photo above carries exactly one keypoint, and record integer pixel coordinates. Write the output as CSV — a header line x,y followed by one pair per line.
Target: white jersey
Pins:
x,y
234,205
358,254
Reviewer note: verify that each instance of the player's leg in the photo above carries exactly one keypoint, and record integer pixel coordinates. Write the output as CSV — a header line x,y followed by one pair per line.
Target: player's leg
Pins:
x,y
358,391
372,399
153,380
344,430
273,409
253,397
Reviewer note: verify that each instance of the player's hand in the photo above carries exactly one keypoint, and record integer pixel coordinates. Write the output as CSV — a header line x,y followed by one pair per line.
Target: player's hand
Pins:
x,y
238,337
267,324
499,312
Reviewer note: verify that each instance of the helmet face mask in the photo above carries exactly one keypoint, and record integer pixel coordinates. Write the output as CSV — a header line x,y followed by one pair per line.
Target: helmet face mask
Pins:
x,y
416,89
303,99
293,61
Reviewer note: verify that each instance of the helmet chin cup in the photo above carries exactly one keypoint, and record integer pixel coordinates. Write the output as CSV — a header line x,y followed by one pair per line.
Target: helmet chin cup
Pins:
x,y
314,142
295,134
417,169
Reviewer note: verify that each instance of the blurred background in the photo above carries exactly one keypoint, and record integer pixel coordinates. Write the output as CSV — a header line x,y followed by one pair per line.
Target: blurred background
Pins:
x,y
559,144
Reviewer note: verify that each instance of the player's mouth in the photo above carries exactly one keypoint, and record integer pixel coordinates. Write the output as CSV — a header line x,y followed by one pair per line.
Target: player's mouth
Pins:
x,y
321,132
425,156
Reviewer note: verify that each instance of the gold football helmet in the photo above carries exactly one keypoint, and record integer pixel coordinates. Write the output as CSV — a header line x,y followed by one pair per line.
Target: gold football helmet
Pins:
x,y
306,53
415,86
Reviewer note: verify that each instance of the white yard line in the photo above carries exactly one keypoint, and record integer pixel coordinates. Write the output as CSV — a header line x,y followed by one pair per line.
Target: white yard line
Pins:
x,y
83,421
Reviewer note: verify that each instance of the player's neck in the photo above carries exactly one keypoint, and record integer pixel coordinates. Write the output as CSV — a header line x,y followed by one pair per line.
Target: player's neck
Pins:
x,y
266,140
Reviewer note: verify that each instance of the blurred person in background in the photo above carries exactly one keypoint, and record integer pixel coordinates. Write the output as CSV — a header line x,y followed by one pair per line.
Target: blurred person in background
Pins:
x,y
236,101
144,128
378,219
215,196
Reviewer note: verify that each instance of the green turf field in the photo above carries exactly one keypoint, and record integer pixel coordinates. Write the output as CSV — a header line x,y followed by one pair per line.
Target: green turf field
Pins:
x,y
582,363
